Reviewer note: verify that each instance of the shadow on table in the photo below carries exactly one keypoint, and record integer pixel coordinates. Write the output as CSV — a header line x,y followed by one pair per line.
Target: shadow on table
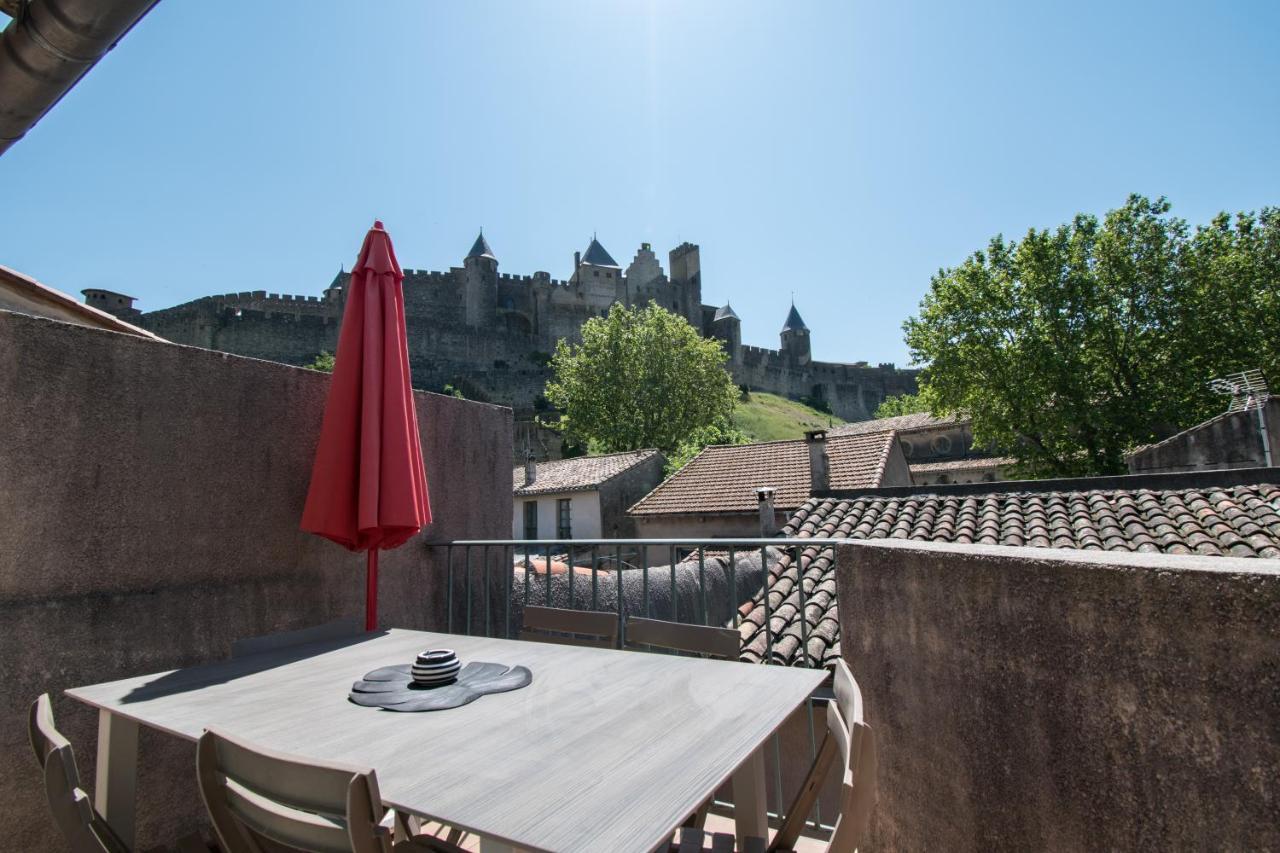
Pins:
x,y
221,672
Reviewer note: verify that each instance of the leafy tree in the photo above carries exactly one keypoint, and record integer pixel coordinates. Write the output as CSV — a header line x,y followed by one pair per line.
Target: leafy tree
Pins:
x,y
323,362
1073,345
642,377
902,404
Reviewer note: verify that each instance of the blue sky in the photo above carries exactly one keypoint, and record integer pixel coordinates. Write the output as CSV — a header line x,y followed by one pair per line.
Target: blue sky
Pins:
x,y
844,151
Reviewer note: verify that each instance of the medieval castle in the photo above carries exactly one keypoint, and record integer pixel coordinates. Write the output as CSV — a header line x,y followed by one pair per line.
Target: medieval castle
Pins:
x,y
490,334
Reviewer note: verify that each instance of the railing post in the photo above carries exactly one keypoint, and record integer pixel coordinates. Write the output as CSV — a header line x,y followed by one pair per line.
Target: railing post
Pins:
x,y
671,570
467,569
488,594
448,595
617,589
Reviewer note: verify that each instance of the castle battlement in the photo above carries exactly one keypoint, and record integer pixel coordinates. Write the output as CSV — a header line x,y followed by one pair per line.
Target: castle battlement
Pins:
x,y
490,332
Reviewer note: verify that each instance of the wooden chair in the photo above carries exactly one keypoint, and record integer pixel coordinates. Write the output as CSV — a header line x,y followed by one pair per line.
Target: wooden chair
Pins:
x,y
849,740
337,629
722,643
570,627
83,828
262,801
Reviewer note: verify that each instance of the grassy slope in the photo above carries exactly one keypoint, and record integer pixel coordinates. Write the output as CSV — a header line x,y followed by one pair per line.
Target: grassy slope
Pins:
x,y
768,417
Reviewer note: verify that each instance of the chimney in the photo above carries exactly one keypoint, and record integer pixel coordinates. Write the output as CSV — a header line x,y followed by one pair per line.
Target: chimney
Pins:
x,y
530,469
819,465
768,518
577,260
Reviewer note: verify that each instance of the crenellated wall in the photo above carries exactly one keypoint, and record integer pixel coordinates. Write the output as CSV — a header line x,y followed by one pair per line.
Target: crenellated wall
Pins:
x,y
489,333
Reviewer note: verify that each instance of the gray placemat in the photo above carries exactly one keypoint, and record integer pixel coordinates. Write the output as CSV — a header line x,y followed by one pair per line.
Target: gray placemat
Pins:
x,y
392,687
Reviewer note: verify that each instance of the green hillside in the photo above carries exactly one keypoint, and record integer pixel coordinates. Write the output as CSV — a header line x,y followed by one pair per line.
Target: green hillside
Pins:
x,y
768,417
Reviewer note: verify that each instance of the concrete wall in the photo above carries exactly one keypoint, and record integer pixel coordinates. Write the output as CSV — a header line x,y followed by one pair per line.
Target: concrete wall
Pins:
x,y
618,494
695,527
1231,440
150,497
1033,700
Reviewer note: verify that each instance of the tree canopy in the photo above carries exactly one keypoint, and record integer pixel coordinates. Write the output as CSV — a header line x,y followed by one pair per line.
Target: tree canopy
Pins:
x,y
642,377
1072,346
901,404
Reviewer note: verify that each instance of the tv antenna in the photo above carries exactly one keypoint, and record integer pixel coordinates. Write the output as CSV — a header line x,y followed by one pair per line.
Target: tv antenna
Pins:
x,y
1248,390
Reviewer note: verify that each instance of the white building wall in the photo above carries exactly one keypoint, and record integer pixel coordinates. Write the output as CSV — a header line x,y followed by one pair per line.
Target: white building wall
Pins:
x,y
584,515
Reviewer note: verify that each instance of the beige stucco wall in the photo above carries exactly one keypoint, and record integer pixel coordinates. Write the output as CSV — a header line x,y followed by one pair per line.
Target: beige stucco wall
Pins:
x,y
584,515
150,496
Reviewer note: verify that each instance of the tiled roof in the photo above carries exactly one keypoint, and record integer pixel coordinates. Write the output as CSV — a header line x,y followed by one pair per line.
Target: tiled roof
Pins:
x,y
480,248
725,313
580,474
723,478
794,323
902,423
1236,521
961,465
596,254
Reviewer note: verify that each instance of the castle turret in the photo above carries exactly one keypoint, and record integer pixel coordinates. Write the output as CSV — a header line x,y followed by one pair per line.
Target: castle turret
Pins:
x,y
686,274
726,327
795,338
480,283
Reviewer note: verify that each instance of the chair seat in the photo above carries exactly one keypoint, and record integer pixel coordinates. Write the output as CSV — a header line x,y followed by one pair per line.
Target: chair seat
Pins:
x,y
692,840
426,844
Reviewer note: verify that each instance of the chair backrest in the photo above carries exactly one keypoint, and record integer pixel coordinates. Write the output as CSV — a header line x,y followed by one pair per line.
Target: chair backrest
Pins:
x,y
262,801
724,643
334,630
571,627
848,741
84,830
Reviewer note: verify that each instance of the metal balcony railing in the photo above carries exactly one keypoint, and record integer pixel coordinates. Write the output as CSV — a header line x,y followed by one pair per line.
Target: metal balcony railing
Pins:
x,y
695,581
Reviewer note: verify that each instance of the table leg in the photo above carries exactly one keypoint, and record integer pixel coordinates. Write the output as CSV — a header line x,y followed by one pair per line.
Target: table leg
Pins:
x,y
115,793
750,806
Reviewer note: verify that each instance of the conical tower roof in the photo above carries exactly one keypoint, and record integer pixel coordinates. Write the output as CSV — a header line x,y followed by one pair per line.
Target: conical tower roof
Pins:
x,y
794,322
725,313
480,248
597,256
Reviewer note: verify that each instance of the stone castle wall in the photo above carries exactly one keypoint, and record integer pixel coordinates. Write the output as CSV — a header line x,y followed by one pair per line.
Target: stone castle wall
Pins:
x,y
489,334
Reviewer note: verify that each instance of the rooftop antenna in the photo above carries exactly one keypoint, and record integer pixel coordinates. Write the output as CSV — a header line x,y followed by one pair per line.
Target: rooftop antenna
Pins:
x,y
1248,390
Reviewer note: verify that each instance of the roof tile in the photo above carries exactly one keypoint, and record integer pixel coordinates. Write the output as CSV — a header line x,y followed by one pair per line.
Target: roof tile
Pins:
x,y
1239,521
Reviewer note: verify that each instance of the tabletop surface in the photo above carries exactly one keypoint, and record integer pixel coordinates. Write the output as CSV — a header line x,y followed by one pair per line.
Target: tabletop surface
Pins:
x,y
605,750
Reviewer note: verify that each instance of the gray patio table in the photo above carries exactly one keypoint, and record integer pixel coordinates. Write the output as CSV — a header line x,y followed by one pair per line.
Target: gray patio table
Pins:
x,y
605,750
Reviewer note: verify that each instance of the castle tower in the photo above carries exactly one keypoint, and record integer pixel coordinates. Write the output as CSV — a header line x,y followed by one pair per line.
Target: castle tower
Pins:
x,y
111,302
480,283
686,275
728,328
795,338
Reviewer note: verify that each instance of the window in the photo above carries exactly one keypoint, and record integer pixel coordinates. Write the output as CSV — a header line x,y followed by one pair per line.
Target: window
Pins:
x,y
530,519
563,527
596,273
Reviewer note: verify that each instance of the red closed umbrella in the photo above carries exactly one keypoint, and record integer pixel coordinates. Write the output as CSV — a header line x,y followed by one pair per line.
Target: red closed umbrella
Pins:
x,y
368,487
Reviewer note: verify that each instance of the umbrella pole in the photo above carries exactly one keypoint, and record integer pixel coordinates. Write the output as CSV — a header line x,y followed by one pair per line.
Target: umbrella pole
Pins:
x,y
371,591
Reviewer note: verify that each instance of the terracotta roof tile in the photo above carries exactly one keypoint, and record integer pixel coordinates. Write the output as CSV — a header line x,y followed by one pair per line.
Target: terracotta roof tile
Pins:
x,y
902,423
723,478
1238,521
579,474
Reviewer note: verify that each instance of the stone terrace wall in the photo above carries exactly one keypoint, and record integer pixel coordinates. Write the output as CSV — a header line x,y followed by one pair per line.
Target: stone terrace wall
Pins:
x,y
1025,700
150,496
